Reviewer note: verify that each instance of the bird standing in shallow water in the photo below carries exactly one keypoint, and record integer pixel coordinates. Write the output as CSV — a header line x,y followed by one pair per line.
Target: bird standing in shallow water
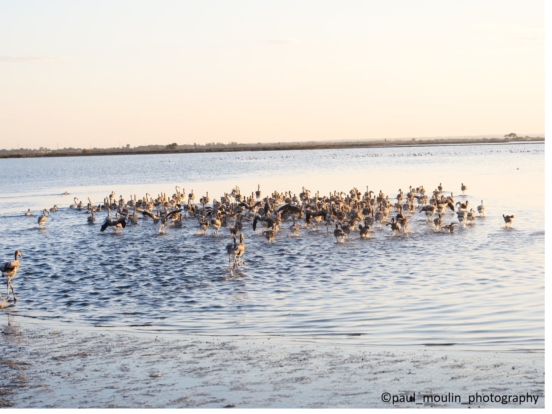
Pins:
x,y
462,217
429,211
117,223
394,226
438,222
239,250
508,220
481,209
338,233
346,229
464,188
294,227
216,223
230,250
364,231
450,227
9,270
270,235
166,219
42,218
203,225
237,226
463,206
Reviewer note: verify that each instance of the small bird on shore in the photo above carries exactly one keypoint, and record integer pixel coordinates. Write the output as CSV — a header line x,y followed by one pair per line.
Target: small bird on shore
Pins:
x,y
28,213
464,188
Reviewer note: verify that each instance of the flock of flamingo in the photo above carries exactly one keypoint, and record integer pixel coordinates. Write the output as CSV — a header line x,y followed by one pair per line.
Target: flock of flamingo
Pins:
x,y
344,212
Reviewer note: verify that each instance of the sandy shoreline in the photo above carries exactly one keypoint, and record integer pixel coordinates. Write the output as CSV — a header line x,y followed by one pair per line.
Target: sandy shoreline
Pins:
x,y
67,367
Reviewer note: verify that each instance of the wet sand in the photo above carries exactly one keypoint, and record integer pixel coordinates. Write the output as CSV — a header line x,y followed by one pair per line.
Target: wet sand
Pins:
x,y
44,367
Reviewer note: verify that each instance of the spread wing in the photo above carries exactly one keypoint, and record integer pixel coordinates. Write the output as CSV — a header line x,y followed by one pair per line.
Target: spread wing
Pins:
x,y
147,213
172,213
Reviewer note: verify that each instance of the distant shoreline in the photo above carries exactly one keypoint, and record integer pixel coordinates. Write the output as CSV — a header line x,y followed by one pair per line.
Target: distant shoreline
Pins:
x,y
276,147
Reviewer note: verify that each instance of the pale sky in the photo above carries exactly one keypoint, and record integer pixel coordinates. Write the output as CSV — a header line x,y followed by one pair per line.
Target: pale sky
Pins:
x,y
105,73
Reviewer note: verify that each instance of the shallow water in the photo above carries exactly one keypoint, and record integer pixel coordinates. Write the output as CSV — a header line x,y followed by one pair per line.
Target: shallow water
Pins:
x,y
482,286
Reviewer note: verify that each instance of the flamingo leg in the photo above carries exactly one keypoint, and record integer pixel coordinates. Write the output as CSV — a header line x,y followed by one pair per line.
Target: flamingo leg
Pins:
x,y
13,291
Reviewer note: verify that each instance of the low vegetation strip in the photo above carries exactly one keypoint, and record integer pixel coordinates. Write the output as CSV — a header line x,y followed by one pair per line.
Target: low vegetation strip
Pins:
x,y
174,148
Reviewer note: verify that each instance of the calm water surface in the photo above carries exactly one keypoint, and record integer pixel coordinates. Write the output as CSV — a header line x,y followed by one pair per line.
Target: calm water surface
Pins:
x,y
482,286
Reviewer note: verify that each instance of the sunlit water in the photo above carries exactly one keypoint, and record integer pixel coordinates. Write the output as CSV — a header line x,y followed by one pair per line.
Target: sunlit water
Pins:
x,y
483,285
